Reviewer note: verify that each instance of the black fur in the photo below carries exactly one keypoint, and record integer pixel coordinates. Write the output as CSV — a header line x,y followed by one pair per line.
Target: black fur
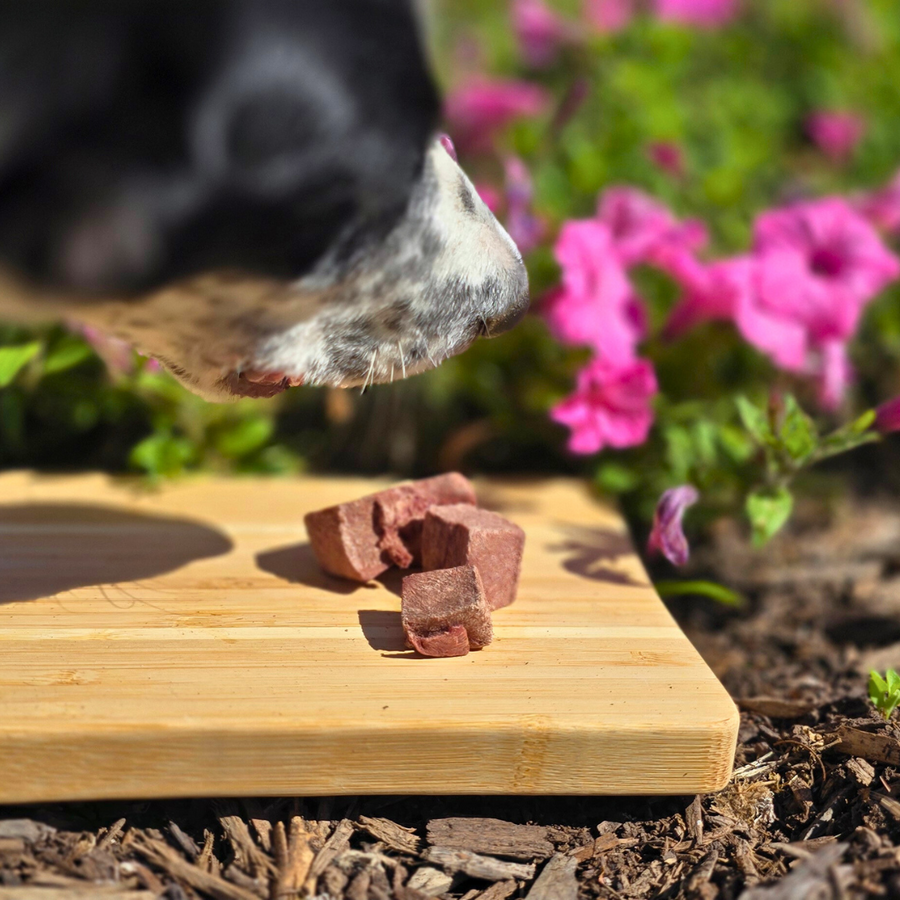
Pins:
x,y
146,140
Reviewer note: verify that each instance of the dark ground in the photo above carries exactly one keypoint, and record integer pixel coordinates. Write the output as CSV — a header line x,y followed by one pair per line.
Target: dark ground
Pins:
x,y
813,809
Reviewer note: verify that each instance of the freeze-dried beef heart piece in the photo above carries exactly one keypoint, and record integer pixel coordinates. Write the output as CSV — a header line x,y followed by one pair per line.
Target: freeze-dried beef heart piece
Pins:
x,y
362,538
460,535
435,605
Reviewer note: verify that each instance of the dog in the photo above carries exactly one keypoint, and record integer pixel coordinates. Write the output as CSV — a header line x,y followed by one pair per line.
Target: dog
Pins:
x,y
252,192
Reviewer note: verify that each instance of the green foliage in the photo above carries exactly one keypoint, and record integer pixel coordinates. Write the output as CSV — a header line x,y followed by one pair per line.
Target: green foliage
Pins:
x,y
700,588
768,510
884,692
13,359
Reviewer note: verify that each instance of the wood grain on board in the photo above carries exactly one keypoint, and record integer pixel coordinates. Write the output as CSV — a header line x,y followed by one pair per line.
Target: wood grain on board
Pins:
x,y
184,643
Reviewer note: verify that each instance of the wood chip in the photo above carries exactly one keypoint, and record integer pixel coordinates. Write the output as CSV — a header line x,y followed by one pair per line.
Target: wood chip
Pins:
x,y
336,844
403,840
185,841
777,707
811,878
693,820
86,891
862,771
872,746
430,882
263,829
247,855
557,880
491,836
27,829
207,860
171,861
476,866
888,804
500,890
293,858
111,834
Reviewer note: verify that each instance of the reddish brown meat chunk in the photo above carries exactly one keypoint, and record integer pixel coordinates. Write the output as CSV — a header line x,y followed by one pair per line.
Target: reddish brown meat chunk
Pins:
x,y
452,642
436,605
362,538
463,535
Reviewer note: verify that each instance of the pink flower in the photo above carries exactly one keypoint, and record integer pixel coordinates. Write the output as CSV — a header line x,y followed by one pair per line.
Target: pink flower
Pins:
x,y
611,406
820,263
882,207
837,134
667,536
481,107
887,416
799,295
595,305
540,31
725,290
524,227
115,353
704,13
645,231
492,198
667,157
609,16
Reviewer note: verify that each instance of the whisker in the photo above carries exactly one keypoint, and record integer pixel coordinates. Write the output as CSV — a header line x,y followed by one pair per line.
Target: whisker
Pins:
x,y
402,360
371,372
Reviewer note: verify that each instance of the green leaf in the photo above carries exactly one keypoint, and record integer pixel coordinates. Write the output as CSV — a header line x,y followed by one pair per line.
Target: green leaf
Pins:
x,y
616,478
14,359
863,423
244,437
66,353
884,692
768,510
162,454
798,433
710,589
877,687
755,421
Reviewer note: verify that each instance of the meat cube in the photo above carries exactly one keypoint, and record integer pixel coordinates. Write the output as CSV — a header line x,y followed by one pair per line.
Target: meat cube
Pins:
x,y
460,535
438,608
362,538
454,641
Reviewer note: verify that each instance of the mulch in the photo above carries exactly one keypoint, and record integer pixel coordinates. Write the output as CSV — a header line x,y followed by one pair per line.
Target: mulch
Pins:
x,y
813,809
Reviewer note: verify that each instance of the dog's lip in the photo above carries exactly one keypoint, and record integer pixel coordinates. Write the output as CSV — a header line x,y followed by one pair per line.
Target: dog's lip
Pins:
x,y
258,385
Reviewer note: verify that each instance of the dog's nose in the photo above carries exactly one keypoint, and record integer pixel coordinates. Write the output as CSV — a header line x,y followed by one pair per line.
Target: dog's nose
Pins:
x,y
515,313
499,324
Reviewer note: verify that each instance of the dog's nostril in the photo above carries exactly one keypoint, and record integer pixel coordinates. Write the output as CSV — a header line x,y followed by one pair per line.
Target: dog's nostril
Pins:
x,y
500,324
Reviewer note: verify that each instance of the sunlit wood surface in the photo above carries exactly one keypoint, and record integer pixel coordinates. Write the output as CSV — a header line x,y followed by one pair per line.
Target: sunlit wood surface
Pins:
x,y
184,642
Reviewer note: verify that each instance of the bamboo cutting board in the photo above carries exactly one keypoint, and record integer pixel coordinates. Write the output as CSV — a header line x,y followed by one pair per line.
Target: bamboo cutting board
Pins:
x,y
184,643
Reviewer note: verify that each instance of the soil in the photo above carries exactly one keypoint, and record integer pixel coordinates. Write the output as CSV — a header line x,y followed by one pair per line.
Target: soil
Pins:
x,y
813,809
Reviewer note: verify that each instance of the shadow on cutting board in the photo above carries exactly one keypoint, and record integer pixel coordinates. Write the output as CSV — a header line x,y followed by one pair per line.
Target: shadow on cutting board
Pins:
x,y
47,549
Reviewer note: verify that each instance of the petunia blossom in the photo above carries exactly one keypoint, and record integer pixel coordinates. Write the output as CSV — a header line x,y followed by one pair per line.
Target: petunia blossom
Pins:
x,y
540,31
820,263
609,16
645,231
668,157
475,111
837,134
667,536
117,354
524,227
887,417
611,406
799,295
595,305
703,13
882,206
726,290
